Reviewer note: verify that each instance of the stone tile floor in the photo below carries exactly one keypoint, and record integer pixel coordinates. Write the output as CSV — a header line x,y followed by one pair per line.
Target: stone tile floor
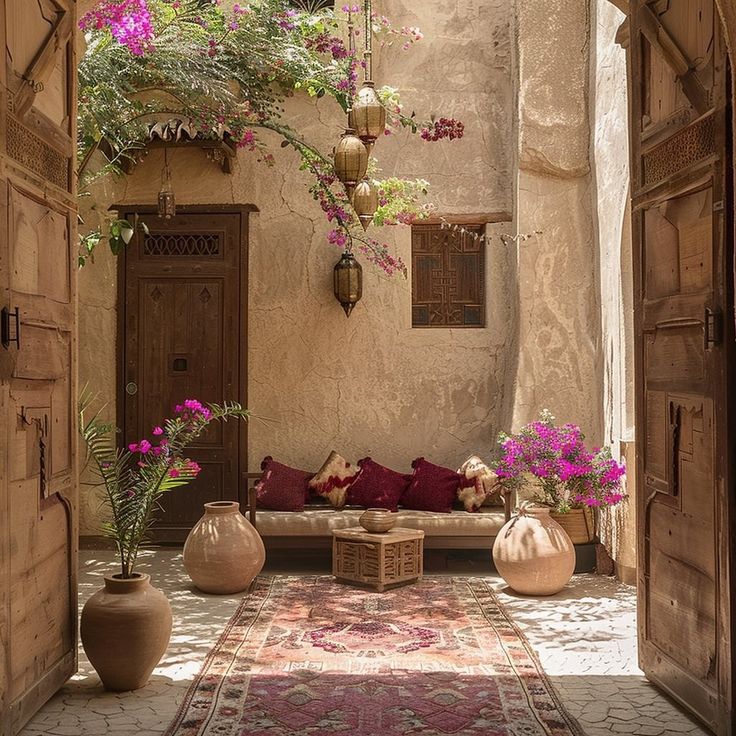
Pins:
x,y
585,637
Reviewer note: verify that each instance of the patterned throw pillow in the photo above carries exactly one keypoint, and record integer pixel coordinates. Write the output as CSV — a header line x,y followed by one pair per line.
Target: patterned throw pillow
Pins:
x,y
332,480
481,486
377,486
432,487
281,488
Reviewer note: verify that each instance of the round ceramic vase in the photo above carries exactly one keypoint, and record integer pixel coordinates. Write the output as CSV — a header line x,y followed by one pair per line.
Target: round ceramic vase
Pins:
x,y
533,554
223,552
377,520
125,630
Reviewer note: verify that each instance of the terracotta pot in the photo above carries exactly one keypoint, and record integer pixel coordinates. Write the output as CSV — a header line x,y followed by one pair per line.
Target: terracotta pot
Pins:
x,y
125,630
223,552
578,523
377,520
533,554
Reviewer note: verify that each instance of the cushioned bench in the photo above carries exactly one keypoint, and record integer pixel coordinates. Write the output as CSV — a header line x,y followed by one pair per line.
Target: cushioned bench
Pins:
x,y
312,528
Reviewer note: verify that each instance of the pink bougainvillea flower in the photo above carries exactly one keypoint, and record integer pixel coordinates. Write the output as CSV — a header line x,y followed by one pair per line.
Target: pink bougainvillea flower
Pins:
x,y
158,431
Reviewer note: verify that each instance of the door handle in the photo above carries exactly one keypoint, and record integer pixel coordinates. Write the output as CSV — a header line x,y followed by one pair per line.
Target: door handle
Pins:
x,y
131,388
10,327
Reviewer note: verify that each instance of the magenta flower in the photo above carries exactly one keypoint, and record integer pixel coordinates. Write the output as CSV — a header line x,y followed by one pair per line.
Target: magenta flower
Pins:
x,y
157,431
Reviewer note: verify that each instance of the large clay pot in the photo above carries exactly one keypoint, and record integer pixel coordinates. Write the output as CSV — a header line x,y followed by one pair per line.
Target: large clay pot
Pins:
x,y
223,552
533,554
125,630
377,520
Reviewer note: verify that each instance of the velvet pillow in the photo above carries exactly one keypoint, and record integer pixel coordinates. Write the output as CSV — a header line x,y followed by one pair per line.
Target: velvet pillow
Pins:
x,y
432,487
281,488
333,479
480,485
377,486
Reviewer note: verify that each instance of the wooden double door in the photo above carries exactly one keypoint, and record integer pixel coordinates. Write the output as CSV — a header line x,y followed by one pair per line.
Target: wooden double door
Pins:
x,y
183,336
682,173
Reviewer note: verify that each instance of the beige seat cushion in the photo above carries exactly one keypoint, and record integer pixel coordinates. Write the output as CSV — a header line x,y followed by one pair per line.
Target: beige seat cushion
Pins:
x,y
321,521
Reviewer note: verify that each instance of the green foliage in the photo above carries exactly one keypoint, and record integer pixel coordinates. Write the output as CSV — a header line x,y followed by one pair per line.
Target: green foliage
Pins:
x,y
135,479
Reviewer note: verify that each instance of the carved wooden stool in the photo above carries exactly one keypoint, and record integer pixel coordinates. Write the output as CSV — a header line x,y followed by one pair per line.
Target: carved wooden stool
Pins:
x,y
378,560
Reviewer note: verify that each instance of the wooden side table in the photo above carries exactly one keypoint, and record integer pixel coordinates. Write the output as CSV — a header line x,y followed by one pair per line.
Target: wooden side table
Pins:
x,y
378,560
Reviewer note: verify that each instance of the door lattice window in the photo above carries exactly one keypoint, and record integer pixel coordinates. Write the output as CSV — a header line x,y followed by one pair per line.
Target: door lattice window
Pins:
x,y
193,245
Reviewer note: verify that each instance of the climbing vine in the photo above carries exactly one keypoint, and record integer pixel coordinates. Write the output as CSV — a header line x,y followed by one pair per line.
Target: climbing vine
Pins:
x,y
226,66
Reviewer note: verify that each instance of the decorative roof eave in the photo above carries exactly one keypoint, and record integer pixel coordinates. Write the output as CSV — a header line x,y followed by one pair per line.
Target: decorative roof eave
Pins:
x,y
218,145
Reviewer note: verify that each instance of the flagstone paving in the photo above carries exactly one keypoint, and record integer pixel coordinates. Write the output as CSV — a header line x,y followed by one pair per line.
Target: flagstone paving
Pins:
x,y
585,637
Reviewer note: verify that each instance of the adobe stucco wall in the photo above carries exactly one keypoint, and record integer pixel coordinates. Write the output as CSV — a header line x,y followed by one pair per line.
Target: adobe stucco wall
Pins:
x,y
558,323
370,385
610,170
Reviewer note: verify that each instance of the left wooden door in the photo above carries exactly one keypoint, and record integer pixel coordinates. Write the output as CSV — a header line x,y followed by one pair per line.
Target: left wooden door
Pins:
x,y
38,506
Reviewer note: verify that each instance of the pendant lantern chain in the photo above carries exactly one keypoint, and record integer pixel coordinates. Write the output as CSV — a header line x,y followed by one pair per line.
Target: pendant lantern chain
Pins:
x,y
368,10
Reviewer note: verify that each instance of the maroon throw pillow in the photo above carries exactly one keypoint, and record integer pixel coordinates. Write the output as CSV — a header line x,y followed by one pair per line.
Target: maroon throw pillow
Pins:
x,y
281,488
377,486
432,487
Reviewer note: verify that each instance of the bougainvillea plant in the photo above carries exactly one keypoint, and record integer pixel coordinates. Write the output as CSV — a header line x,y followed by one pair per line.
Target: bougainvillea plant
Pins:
x,y
225,66
565,474
135,478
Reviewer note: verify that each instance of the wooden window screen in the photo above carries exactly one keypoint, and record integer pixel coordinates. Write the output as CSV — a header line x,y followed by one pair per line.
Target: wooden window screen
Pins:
x,y
448,276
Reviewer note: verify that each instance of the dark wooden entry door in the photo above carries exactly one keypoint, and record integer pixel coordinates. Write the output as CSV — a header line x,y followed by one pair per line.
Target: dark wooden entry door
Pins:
x,y
184,337
38,478
683,240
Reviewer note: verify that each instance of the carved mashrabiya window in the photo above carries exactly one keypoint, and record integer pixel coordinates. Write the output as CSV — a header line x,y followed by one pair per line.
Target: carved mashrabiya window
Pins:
x,y
448,276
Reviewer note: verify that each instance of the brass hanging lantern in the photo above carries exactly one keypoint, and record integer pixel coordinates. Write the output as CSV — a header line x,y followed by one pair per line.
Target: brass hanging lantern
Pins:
x,y
348,281
365,202
368,116
166,199
351,160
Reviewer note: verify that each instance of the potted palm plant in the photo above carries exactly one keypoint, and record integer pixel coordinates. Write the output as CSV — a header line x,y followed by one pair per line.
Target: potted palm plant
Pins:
x,y
126,625
562,474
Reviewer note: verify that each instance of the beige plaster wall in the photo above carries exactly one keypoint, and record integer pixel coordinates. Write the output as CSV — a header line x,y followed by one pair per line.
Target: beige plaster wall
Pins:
x,y
610,160
370,385
558,314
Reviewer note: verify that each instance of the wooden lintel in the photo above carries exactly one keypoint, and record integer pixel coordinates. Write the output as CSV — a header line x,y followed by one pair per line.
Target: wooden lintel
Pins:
x,y
482,218
219,151
39,70
660,38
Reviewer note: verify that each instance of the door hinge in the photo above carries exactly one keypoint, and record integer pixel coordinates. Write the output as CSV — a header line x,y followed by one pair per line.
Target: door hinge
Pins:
x,y
712,328
10,327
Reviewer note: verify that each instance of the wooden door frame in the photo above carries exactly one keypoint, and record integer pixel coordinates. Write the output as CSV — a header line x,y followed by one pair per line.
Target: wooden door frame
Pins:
x,y
244,212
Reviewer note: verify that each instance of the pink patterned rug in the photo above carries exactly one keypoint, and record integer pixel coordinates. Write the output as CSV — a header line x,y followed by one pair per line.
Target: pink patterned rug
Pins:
x,y
306,656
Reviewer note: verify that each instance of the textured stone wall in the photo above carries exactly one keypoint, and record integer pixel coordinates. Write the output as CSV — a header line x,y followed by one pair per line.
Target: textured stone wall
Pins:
x,y
558,322
370,385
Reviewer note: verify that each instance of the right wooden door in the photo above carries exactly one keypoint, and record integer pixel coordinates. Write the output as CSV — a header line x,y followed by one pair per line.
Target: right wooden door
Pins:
x,y
683,245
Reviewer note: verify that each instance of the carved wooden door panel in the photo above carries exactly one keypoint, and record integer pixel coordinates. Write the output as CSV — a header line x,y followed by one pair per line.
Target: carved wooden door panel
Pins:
x,y
684,323
183,337
38,528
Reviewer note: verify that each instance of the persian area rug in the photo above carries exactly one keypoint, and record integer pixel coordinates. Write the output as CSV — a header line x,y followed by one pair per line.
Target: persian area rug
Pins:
x,y
307,656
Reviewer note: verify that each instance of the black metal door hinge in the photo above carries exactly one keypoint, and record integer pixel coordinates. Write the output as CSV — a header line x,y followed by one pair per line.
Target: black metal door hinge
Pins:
x,y
10,327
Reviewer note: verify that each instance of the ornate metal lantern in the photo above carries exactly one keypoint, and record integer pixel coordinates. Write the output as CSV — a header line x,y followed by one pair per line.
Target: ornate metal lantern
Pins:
x,y
166,204
351,160
348,281
166,199
365,202
368,116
